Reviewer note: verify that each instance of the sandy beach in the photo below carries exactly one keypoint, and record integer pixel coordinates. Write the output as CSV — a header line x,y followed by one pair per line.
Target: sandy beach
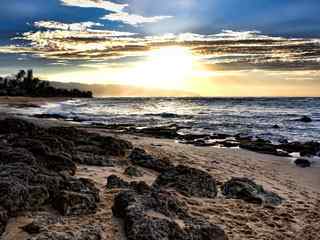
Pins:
x,y
297,217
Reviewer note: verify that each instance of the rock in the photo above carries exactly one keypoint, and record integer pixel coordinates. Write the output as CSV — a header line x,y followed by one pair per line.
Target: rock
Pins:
x,y
140,157
160,215
72,203
3,220
83,233
189,181
305,119
14,125
59,163
276,126
249,191
262,146
41,221
114,181
305,149
53,116
169,132
304,163
133,171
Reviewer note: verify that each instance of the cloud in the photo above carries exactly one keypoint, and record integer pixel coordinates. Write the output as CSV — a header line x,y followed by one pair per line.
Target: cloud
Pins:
x,y
107,5
225,51
133,19
118,13
83,26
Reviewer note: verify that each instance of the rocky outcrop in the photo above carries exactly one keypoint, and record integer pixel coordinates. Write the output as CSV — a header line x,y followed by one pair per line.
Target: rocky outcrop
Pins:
x,y
188,181
301,162
114,181
84,233
305,119
248,190
159,215
141,158
3,219
37,166
133,171
263,146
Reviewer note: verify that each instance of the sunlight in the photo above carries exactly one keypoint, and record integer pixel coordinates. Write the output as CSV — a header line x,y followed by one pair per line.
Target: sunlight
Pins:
x,y
166,68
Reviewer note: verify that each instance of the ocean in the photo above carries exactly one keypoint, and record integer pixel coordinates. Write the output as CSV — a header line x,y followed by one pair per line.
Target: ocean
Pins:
x,y
252,116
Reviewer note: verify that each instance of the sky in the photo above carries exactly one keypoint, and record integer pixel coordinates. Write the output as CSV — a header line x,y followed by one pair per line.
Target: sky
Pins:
x,y
205,47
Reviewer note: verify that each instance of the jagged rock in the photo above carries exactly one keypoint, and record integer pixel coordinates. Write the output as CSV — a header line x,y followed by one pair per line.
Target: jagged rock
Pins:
x,y
305,119
73,203
84,233
54,116
248,190
15,125
305,149
160,215
114,181
304,163
40,222
169,132
3,219
133,171
93,159
140,157
262,146
188,181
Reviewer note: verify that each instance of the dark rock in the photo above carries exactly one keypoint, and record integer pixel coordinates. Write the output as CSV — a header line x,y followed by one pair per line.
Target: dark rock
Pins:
x,y
262,146
114,181
248,190
140,157
59,163
305,149
3,220
188,181
133,171
169,132
41,221
154,215
14,125
276,126
304,163
93,159
83,233
73,203
53,116
305,119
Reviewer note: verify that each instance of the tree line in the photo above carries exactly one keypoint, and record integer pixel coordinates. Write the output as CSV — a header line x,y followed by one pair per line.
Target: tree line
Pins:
x,y
24,84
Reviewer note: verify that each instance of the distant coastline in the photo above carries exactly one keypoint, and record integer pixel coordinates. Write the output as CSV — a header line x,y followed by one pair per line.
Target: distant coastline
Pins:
x,y
24,84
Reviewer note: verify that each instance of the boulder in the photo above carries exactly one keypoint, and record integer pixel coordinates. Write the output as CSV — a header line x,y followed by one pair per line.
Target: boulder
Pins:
x,y
73,203
18,126
301,162
263,146
140,157
160,215
249,191
305,149
83,233
114,181
3,220
133,171
304,119
188,181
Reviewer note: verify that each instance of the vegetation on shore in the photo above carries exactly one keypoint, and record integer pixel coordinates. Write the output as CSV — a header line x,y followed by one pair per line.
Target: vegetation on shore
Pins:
x,y
24,84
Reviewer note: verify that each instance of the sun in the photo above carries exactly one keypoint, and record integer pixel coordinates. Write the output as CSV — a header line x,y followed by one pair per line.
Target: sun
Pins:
x,y
165,68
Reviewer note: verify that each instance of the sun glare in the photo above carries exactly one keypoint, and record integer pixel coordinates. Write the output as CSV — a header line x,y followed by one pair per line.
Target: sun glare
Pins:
x,y
166,68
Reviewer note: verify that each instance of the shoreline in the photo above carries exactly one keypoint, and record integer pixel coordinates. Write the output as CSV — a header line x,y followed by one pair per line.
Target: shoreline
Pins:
x,y
296,218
